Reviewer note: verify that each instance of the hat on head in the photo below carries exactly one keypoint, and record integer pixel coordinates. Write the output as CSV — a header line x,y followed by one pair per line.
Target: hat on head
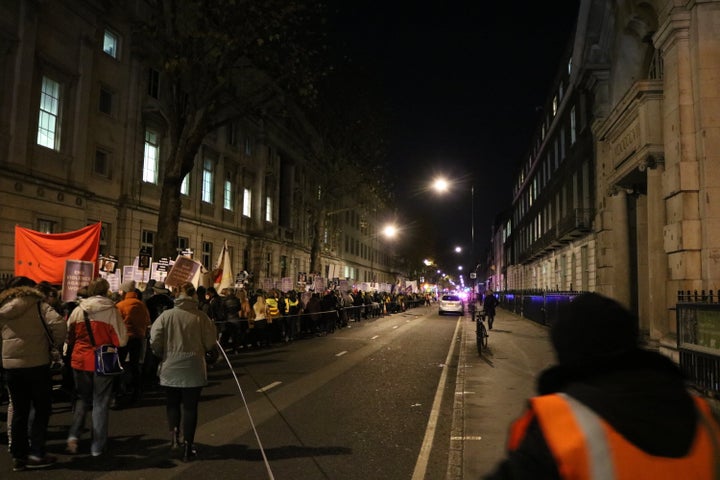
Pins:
x,y
128,286
159,288
592,328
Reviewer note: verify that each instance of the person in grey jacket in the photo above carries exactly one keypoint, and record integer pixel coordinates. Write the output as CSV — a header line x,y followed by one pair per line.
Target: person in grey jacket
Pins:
x,y
180,337
26,360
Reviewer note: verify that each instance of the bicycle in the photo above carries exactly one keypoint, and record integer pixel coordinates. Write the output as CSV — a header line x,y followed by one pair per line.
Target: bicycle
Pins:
x,y
481,334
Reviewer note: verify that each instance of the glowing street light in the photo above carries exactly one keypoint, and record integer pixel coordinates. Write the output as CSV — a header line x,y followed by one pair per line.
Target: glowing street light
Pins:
x,y
389,231
441,185
458,249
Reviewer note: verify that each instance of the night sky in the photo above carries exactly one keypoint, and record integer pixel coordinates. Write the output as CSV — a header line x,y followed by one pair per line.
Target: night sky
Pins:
x,y
462,83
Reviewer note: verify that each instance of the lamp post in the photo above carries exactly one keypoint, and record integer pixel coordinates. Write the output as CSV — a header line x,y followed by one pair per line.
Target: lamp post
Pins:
x,y
442,185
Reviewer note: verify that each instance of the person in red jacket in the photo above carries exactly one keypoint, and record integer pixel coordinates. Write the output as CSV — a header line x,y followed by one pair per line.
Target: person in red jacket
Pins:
x,y
93,391
610,409
136,317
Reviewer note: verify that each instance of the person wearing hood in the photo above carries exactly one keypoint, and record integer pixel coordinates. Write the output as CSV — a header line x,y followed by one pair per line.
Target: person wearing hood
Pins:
x,y
93,391
26,360
180,337
610,409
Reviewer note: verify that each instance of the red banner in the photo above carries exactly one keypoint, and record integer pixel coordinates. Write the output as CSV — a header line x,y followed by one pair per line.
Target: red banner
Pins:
x,y
41,256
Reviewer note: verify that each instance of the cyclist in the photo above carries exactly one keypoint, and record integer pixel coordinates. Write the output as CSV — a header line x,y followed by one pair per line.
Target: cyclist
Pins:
x,y
489,304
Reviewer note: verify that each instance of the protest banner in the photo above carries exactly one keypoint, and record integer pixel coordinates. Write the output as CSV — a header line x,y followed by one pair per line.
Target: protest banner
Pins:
x,y
41,256
183,270
77,274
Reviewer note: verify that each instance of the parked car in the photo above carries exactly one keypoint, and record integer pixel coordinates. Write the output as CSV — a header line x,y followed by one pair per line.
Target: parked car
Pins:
x,y
450,303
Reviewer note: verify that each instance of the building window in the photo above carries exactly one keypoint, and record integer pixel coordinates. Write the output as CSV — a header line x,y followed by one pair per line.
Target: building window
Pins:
x,y
104,235
248,146
232,133
153,83
151,158
247,202
268,209
246,258
185,186
268,264
111,44
101,166
105,102
207,255
49,120
569,66
183,244
554,105
573,126
228,193
207,181
46,226
283,266
147,241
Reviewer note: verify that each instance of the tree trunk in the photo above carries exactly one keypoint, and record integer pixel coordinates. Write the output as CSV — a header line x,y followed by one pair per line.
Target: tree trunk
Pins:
x,y
168,219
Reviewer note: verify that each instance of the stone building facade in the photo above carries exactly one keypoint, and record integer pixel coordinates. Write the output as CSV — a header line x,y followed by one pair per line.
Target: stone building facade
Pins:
x,y
81,143
643,75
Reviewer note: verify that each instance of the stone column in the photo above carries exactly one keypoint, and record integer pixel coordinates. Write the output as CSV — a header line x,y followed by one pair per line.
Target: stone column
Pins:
x,y
621,249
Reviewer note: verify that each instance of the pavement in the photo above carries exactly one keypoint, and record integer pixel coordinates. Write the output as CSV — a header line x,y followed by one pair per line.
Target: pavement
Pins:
x,y
492,389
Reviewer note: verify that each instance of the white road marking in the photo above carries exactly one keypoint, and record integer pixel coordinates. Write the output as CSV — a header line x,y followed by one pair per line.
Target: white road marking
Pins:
x,y
465,438
395,327
373,338
268,387
340,354
424,456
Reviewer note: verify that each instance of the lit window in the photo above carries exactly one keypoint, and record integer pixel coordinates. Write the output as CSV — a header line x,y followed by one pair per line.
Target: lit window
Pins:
x,y
151,157
207,181
228,194
554,105
247,202
573,126
248,146
570,66
49,120
110,44
185,185
268,209
46,226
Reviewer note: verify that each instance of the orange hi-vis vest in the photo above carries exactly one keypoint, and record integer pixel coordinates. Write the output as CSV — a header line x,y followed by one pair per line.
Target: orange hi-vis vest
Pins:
x,y
585,446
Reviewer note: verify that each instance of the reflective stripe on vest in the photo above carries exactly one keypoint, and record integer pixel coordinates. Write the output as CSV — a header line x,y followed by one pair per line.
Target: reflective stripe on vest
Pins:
x,y
272,307
586,447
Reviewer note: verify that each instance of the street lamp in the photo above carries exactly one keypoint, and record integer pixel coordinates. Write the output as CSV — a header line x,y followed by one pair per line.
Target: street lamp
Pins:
x,y
442,185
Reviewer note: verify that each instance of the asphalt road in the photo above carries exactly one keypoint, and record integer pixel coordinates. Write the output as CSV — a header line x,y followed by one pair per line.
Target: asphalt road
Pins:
x,y
355,404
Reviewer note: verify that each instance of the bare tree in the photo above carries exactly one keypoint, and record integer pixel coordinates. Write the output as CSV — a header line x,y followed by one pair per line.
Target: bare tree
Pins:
x,y
349,151
220,60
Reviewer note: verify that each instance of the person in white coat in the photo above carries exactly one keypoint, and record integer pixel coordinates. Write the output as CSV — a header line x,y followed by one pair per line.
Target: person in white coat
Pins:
x,y
180,337
27,325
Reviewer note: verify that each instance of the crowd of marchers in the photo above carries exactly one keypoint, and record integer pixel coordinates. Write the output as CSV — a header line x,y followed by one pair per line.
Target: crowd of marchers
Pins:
x,y
163,337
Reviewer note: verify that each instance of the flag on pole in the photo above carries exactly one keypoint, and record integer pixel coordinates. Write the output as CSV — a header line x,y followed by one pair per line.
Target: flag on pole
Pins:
x,y
222,275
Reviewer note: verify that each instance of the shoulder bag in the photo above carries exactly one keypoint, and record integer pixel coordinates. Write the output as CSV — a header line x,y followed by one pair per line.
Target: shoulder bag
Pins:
x,y
56,360
107,358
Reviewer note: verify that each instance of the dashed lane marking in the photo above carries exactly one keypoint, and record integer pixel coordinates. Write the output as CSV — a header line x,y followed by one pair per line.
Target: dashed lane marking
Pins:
x,y
268,387
340,354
